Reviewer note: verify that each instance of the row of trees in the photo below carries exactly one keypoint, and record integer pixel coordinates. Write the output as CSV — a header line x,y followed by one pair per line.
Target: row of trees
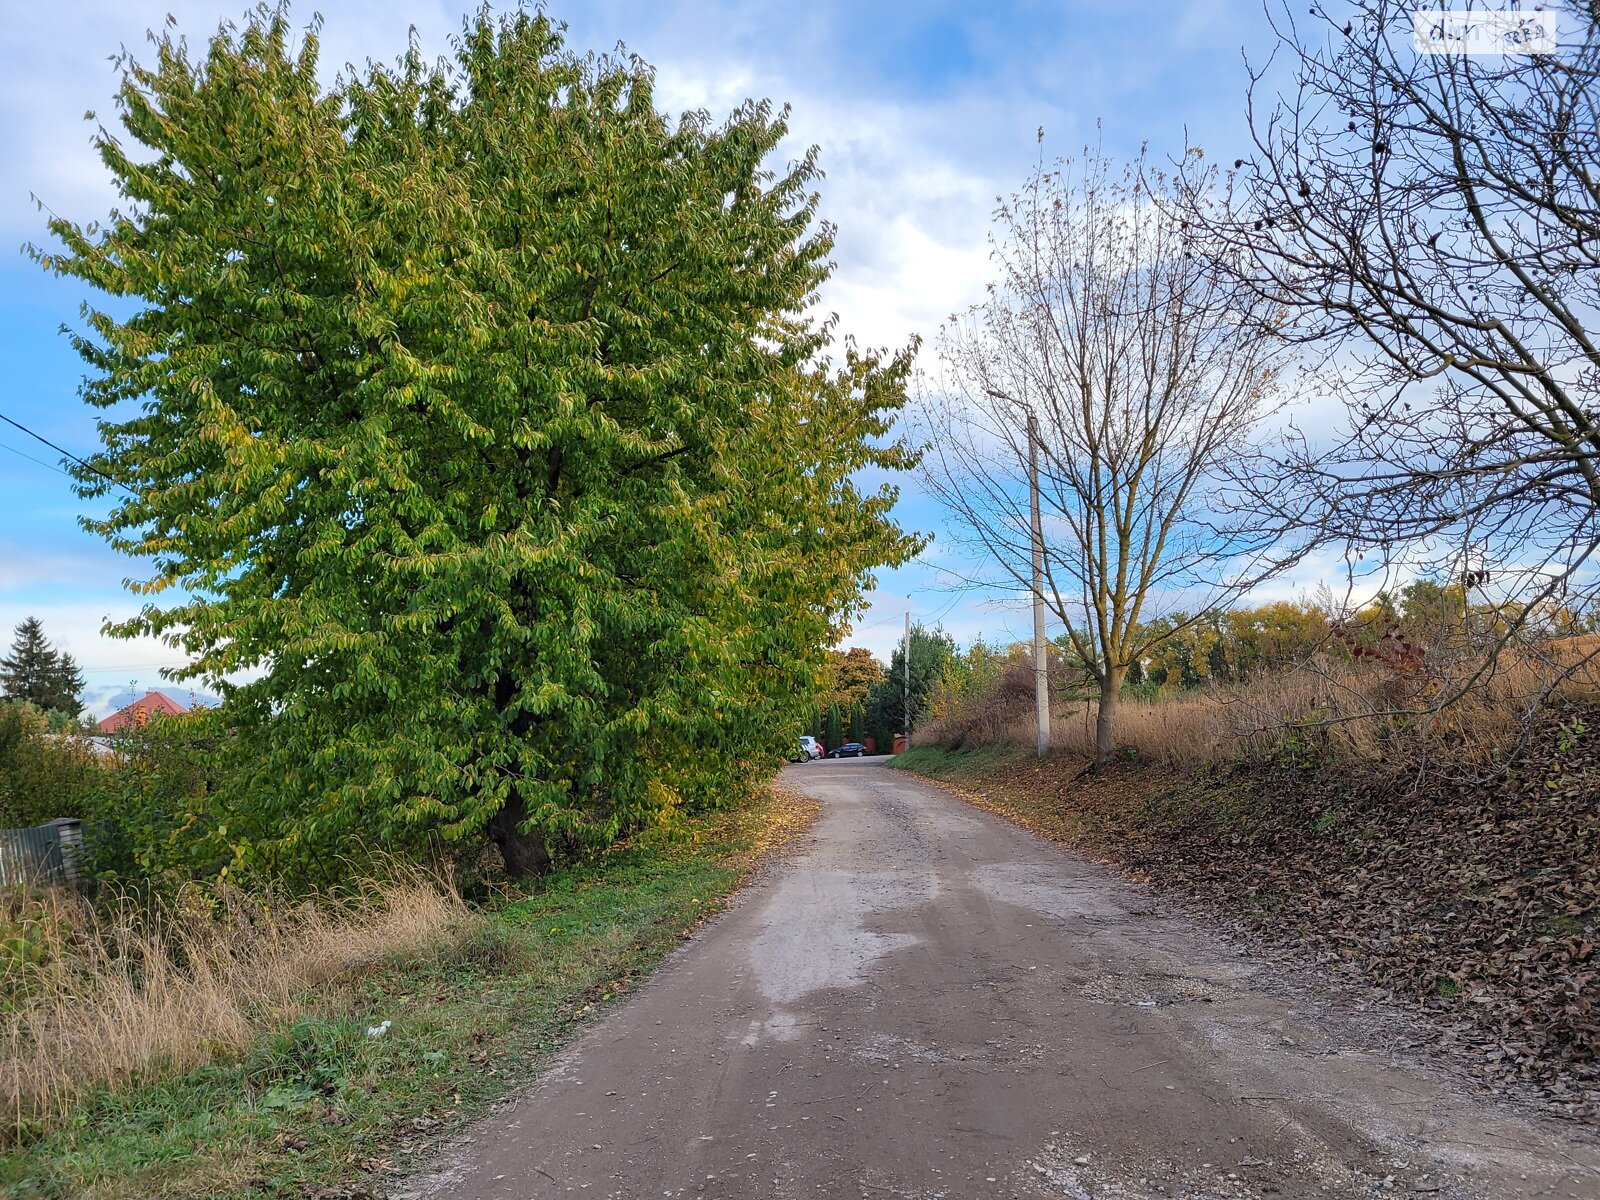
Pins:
x,y
473,413
1420,231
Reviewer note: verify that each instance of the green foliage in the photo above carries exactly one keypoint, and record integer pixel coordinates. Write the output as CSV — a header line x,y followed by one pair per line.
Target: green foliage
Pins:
x,y
851,674
39,674
835,735
931,653
476,409
158,819
970,674
1142,689
44,774
1230,646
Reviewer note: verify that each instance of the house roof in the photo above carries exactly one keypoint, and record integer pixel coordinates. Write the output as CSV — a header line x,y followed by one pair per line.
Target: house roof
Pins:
x,y
151,704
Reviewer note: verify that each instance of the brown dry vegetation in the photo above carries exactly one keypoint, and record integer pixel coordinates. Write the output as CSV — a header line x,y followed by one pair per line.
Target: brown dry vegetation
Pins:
x,y
1362,711
108,998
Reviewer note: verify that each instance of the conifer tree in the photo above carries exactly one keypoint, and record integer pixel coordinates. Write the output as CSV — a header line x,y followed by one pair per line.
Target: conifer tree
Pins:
x,y
38,673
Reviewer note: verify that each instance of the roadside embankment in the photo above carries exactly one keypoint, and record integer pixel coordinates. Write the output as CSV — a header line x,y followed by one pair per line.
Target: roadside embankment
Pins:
x,y
385,1026
1478,900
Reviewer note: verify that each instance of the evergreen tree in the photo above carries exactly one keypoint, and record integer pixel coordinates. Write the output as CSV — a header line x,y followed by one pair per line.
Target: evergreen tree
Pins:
x,y
835,737
931,651
479,406
38,673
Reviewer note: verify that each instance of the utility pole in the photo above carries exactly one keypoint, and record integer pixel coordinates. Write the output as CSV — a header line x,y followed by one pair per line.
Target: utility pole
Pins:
x,y
905,657
1041,651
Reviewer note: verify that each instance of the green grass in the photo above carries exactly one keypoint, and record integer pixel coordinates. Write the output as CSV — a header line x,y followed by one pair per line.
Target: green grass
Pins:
x,y
940,762
320,1104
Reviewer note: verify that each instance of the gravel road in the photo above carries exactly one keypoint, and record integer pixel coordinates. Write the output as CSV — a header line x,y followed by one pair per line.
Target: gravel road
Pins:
x,y
926,1001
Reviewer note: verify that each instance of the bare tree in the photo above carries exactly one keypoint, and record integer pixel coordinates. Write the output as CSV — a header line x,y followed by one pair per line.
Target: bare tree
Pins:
x,y
1108,326
1432,221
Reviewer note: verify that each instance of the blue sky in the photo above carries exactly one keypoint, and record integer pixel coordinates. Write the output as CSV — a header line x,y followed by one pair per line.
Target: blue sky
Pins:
x,y
924,113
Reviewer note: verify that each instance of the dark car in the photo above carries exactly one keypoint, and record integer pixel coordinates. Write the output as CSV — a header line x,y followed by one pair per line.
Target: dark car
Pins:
x,y
848,750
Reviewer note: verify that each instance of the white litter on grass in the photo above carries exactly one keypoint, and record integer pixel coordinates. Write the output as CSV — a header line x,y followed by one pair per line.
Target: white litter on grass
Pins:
x,y
379,1029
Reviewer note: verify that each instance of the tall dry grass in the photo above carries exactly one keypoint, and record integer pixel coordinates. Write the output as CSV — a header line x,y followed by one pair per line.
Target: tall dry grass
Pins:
x,y
1471,713
94,998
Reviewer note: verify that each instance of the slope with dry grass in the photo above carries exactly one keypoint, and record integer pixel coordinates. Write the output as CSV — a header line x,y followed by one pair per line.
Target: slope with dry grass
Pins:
x,y
1454,715
314,1052
113,999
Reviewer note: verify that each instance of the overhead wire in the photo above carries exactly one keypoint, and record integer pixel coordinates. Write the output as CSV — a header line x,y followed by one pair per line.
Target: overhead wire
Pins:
x,y
50,466
87,466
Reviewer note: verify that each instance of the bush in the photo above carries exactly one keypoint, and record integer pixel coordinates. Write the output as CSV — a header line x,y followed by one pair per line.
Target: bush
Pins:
x,y
152,821
44,773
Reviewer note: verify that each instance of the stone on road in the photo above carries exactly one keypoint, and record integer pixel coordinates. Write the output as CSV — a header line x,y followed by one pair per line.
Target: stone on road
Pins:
x,y
926,1001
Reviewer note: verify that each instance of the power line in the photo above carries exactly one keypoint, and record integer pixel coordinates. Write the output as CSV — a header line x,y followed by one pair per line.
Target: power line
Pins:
x,y
51,466
915,615
93,470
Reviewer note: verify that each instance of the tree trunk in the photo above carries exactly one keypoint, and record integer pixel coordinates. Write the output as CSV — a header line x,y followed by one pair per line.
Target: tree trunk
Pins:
x,y
1105,722
525,854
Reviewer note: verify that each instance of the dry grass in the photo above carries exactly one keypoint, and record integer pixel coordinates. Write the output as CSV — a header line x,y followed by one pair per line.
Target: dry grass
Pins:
x,y
95,1000
1468,713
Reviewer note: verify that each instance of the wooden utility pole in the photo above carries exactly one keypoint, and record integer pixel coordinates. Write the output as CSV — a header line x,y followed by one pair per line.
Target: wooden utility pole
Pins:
x,y
905,657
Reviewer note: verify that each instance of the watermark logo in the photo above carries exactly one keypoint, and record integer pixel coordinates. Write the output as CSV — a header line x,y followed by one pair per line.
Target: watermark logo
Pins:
x,y
1480,31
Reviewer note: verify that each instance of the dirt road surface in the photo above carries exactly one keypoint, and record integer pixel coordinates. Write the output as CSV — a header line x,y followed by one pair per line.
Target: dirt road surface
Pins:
x,y
926,1001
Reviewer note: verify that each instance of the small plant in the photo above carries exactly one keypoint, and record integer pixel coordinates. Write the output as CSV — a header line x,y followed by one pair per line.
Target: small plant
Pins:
x,y
1571,734
311,1054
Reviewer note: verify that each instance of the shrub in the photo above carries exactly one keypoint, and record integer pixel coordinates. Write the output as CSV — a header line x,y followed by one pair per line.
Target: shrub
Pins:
x,y
44,774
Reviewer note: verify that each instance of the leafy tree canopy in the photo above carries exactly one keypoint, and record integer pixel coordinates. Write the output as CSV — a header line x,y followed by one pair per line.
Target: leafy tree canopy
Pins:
x,y
851,674
477,408
931,652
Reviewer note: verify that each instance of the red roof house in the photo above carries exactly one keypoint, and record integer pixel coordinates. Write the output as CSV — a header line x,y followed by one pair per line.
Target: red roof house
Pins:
x,y
138,714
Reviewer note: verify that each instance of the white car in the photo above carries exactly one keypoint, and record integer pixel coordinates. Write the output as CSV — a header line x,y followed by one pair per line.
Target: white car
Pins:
x,y
809,749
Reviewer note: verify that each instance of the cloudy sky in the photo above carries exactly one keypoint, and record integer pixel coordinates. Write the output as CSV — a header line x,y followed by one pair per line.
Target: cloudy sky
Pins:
x,y
924,110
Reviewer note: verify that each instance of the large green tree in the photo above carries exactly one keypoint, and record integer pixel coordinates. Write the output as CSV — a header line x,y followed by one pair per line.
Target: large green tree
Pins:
x,y
36,672
476,408
851,674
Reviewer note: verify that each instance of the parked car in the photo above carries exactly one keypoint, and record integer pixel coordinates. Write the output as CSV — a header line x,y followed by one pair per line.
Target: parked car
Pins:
x,y
848,750
810,748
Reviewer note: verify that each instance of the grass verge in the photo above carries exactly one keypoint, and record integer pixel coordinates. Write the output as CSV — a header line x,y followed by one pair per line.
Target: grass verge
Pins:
x,y
326,1108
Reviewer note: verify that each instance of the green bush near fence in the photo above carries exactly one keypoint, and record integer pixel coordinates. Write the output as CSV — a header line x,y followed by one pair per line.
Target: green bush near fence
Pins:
x,y
143,806
44,774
